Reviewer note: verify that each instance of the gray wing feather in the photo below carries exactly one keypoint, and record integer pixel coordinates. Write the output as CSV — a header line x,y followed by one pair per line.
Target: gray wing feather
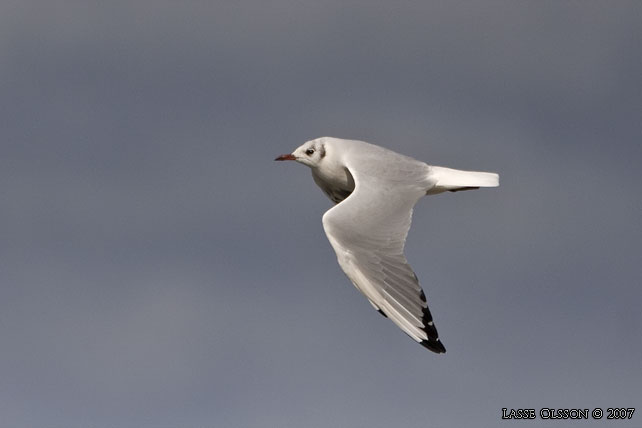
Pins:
x,y
368,231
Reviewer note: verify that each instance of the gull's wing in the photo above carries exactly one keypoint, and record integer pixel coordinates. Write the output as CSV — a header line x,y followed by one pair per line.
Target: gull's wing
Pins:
x,y
368,231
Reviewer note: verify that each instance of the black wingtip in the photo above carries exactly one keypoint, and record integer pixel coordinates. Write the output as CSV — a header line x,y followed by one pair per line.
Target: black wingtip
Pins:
x,y
432,342
434,345
429,327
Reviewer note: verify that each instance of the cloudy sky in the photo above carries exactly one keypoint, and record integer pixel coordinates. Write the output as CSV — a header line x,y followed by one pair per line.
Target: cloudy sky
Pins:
x,y
158,269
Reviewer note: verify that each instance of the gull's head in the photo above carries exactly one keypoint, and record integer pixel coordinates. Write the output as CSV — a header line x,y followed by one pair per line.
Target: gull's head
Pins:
x,y
311,154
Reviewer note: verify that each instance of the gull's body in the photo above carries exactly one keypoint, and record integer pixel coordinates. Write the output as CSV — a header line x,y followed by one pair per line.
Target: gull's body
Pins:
x,y
375,190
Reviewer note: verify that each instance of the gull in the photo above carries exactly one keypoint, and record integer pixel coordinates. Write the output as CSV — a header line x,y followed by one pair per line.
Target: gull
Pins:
x,y
375,190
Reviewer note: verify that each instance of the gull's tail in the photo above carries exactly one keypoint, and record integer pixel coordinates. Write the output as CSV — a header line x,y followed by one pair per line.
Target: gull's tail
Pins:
x,y
454,180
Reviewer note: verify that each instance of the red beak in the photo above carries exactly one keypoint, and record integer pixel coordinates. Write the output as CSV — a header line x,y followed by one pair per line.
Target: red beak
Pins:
x,y
285,157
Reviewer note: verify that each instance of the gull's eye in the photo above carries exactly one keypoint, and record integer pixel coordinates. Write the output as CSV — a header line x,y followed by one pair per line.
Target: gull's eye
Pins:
x,y
309,152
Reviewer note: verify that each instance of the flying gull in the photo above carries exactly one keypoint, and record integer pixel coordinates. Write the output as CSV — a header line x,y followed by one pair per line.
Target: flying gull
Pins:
x,y
375,190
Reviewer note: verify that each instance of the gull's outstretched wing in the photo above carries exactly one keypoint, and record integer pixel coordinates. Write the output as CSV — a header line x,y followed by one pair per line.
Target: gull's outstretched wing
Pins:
x,y
368,231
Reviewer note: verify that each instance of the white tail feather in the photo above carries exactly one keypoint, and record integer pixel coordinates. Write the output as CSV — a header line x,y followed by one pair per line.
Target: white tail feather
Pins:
x,y
448,179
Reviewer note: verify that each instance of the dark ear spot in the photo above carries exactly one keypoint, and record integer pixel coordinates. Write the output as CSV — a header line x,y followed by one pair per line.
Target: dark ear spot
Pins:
x,y
322,151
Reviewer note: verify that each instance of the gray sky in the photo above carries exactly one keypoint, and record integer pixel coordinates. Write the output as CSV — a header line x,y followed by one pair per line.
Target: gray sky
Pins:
x,y
158,269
